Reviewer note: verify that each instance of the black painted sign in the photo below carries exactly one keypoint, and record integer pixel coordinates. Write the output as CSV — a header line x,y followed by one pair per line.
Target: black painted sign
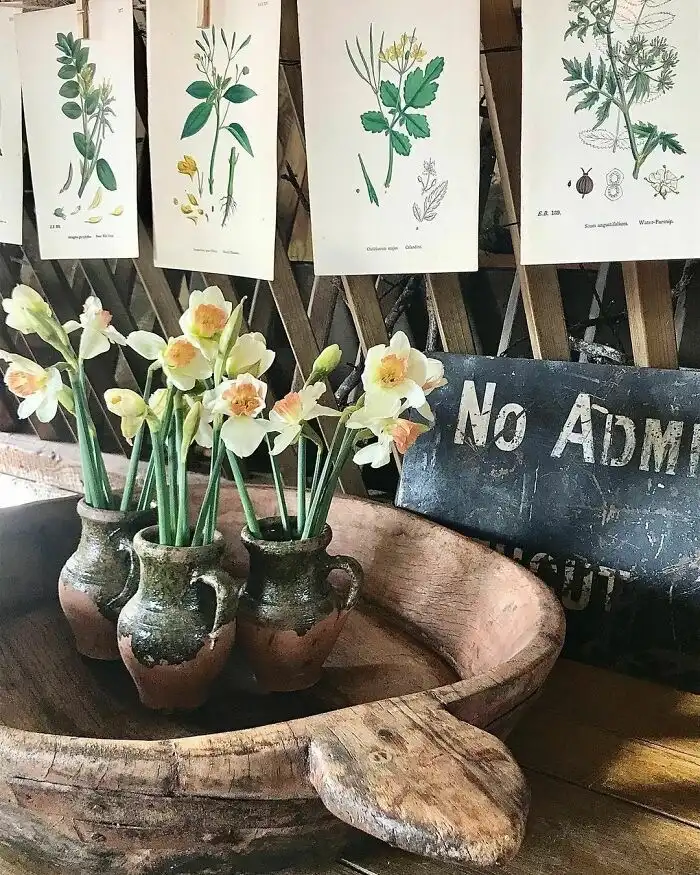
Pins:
x,y
590,476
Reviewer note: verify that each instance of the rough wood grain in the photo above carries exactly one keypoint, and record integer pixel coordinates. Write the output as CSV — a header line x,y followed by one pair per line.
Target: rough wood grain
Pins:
x,y
70,796
452,319
650,311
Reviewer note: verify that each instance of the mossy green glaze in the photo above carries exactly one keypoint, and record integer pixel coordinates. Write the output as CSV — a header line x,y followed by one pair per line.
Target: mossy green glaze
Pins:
x,y
100,577
290,614
173,639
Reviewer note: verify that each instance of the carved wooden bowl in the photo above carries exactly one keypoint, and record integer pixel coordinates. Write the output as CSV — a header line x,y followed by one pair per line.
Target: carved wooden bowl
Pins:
x,y
398,740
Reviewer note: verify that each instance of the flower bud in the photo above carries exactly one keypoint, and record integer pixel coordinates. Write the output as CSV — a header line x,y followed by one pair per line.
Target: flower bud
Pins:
x,y
326,363
232,331
65,399
190,428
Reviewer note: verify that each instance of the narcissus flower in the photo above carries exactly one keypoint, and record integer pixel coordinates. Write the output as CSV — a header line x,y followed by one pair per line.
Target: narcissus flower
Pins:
x,y
205,319
39,388
396,371
289,415
182,362
158,402
131,407
326,363
383,419
24,307
250,355
242,401
98,331
435,379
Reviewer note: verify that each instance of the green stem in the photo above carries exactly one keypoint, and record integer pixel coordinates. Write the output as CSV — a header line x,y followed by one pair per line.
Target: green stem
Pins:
x,y
212,162
217,459
148,485
232,161
172,452
317,474
128,493
83,445
103,490
624,106
315,525
301,485
390,171
279,489
248,509
323,479
213,516
183,528
165,535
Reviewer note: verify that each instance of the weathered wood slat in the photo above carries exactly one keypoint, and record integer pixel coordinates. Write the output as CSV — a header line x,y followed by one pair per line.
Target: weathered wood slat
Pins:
x,y
362,301
502,78
650,312
453,321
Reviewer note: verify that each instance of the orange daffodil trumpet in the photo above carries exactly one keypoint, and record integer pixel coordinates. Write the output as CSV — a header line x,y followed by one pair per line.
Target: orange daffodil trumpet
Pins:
x,y
241,401
41,389
383,420
289,415
182,362
205,319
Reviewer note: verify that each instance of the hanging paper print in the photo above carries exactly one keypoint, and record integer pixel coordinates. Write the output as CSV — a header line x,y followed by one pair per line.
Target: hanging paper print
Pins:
x,y
611,144
213,135
394,163
11,176
81,129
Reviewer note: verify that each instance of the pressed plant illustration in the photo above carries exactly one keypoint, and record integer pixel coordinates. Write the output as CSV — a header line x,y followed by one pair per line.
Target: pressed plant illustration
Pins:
x,y
217,94
664,182
91,104
629,68
432,192
408,87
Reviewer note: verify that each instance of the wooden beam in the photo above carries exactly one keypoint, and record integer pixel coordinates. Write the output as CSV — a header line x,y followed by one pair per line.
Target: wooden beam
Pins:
x,y
362,301
502,78
452,319
650,313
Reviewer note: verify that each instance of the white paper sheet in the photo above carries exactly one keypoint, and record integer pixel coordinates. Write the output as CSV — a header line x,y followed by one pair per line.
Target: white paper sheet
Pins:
x,y
610,180
214,162
11,176
392,141
81,129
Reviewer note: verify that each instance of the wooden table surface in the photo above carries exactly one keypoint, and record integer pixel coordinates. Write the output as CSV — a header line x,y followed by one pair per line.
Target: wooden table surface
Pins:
x,y
614,768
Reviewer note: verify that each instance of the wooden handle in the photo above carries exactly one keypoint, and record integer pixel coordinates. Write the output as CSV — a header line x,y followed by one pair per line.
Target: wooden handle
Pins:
x,y
421,780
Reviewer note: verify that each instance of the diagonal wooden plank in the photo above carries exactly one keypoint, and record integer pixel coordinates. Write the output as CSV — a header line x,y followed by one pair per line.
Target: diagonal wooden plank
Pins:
x,y
452,319
650,313
303,342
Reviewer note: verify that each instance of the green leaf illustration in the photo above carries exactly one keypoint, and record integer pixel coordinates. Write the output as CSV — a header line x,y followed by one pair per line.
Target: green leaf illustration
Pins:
x,y
91,102
389,94
84,146
371,190
71,109
602,113
241,136
196,120
400,143
105,175
200,90
374,122
239,94
81,59
69,90
68,71
417,126
420,89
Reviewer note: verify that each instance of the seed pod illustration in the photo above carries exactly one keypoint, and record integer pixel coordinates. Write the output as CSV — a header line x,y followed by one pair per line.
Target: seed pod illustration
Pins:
x,y
585,184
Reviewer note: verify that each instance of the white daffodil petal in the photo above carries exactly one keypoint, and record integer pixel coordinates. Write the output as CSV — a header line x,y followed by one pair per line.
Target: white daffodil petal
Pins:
x,y
115,336
319,410
146,344
377,455
48,408
205,435
266,361
242,435
71,326
426,412
415,396
92,343
285,439
30,405
400,344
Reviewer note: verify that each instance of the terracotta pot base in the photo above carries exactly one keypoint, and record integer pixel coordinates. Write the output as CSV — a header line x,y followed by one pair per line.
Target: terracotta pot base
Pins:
x,y
185,686
283,660
95,636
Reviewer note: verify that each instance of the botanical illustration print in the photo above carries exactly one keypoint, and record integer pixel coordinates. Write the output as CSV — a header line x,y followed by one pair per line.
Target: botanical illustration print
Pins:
x,y
630,66
217,95
401,87
432,192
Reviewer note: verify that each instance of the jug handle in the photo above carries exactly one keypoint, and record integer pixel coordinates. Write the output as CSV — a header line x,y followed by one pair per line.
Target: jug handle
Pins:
x,y
347,599
227,590
125,545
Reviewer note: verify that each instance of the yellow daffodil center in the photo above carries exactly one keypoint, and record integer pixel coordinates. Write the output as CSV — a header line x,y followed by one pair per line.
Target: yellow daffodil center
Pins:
x,y
209,320
179,354
392,371
242,400
22,383
289,407
405,434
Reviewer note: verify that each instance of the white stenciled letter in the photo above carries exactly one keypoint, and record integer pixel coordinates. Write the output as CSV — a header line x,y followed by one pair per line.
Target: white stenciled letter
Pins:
x,y
695,451
580,412
470,411
626,424
663,445
520,425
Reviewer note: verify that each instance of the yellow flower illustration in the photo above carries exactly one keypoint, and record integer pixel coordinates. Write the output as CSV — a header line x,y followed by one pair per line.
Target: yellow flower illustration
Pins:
x,y
193,200
188,166
186,209
418,53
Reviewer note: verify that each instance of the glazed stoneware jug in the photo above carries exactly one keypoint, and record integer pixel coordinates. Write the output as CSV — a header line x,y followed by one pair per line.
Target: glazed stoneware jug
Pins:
x,y
100,577
171,640
291,614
